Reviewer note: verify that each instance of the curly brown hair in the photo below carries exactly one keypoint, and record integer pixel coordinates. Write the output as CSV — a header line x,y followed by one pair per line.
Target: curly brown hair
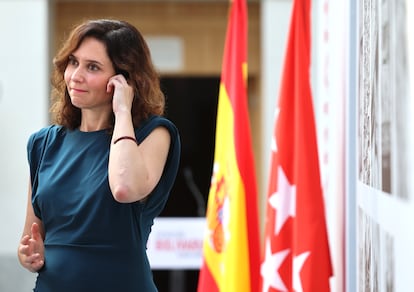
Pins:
x,y
130,56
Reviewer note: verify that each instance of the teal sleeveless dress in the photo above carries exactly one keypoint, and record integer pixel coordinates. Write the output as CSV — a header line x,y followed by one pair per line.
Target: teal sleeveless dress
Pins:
x,y
92,243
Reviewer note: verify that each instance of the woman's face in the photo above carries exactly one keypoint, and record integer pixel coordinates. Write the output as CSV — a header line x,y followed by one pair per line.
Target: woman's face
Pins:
x,y
87,74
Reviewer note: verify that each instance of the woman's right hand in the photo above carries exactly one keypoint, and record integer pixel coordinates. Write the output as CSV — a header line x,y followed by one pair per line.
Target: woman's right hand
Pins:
x,y
123,93
31,249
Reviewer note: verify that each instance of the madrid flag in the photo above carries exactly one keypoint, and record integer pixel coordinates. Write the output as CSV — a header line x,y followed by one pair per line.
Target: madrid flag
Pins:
x,y
296,253
231,249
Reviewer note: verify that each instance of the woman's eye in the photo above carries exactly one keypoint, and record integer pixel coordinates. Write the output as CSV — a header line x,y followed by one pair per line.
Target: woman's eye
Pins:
x,y
93,67
72,61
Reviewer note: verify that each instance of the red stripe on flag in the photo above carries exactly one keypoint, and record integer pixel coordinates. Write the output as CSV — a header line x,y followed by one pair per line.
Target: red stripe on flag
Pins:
x,y
206,280
235,79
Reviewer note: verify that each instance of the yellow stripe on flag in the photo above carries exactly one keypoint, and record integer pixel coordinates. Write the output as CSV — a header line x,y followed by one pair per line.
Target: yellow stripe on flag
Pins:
x,y
226,248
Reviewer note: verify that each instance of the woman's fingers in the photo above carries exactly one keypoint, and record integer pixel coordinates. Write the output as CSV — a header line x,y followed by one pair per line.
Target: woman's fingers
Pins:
x,y
25,240
31,245
35,229
31,249
37,265
26,247
34,262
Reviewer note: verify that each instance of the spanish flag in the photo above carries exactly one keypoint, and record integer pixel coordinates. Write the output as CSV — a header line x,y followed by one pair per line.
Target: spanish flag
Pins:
x,y
231,248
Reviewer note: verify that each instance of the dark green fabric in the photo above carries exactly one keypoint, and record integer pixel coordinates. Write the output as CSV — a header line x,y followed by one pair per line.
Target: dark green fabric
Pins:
x,y
93,243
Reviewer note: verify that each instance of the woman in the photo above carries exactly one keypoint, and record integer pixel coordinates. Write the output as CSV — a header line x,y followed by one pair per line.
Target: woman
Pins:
x,y
102,173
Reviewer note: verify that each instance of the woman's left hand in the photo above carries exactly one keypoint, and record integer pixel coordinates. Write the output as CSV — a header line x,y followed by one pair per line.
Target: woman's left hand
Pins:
x,y
123,93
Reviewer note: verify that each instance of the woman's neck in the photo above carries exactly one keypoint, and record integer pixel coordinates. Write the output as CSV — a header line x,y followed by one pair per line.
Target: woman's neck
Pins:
x,y
92,122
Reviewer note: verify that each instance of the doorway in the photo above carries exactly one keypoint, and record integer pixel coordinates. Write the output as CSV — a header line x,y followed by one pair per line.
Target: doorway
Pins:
x,y
192,107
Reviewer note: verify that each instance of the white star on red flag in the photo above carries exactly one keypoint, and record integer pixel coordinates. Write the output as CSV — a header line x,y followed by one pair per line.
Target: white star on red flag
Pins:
x,y
298,262
269,269
283,201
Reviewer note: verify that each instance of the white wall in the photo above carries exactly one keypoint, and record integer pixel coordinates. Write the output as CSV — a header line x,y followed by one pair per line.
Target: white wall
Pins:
x,y
23,104
410,40
24,92
330,59
275,19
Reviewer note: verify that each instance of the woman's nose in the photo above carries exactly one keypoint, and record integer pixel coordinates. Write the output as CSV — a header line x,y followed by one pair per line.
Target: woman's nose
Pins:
x,y
77,74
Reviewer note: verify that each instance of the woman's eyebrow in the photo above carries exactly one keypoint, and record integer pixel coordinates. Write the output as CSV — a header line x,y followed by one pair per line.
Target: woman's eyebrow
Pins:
x,y
72,56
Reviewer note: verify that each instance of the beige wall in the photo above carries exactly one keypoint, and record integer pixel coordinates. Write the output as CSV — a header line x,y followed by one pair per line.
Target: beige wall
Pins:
x,y
200,25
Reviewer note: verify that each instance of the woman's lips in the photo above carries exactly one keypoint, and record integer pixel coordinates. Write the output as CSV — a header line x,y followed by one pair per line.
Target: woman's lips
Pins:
x,y
77,90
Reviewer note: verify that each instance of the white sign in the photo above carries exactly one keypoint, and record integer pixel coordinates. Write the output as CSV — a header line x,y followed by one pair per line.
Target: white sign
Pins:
x,y
176,243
